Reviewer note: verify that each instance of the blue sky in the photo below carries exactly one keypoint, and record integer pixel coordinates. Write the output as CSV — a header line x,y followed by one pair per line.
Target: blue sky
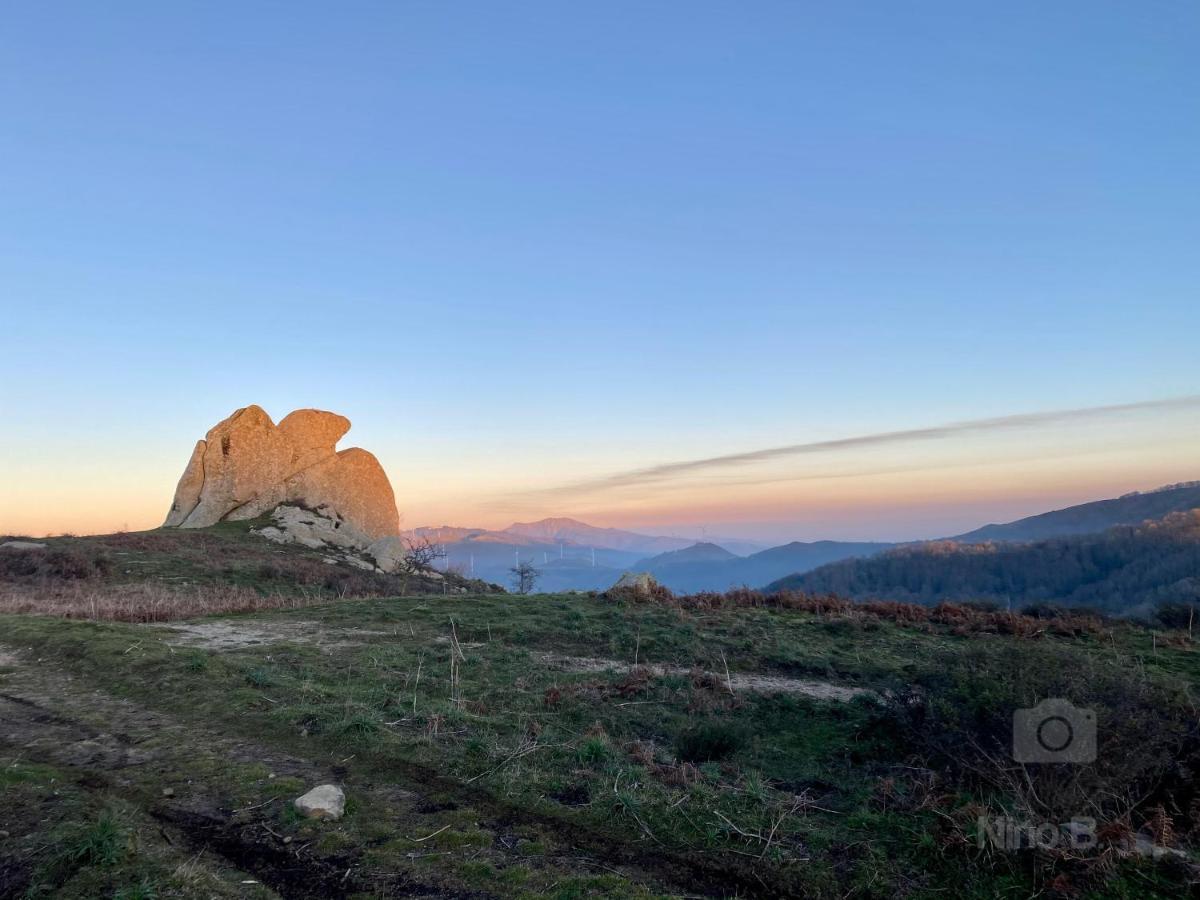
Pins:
x,y
523,244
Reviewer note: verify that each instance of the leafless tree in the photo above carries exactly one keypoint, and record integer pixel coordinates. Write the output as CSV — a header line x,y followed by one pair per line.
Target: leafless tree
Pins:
x,y
419,556
524,577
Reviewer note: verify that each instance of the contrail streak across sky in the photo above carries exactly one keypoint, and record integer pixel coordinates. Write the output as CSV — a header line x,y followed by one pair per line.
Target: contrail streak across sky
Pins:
x,y
666,471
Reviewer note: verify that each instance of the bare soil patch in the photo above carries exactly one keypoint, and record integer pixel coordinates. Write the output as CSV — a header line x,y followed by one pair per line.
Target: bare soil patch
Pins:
x,y
225,635
737,681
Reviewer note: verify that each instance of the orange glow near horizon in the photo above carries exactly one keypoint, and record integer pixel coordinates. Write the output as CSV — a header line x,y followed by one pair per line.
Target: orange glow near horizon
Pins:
x,y
900,490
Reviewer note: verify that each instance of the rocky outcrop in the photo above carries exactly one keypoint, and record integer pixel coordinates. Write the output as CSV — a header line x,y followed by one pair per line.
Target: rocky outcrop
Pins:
x,y
317,529
187,492
313,434
322,528
389,553
351,482
637,586
247,465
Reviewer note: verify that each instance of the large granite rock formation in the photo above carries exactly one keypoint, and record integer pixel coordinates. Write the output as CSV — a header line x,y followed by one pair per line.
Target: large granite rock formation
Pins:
x,y
248,465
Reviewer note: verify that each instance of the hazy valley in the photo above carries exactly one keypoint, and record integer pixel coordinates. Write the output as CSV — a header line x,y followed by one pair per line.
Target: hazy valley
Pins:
x,y
992,563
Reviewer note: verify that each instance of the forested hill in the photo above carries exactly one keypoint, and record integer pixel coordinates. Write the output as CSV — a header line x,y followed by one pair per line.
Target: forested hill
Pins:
x,y
1124,569
1094,517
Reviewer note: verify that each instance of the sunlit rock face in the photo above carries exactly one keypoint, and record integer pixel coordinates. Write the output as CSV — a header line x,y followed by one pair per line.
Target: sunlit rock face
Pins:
x,y
247,465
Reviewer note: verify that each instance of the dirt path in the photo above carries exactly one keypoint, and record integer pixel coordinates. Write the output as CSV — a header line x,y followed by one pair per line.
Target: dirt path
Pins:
x,y
115,746
112,745
736,681
230,634
227,635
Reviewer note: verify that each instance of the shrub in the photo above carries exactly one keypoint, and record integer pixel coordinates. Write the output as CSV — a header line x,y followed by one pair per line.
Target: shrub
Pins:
x,y
359,730
143,890
960,618
1043,610
1177,615
708,741
958,719
65,564
259,678
102,843
594,751
651,592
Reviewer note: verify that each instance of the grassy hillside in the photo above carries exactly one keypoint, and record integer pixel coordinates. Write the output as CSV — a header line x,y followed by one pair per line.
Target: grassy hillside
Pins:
x,y
494,745
156,573
1123,570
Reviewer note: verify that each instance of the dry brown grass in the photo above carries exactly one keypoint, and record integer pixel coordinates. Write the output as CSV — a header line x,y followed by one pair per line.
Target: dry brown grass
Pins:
x,y
65,563
206,560
141,602
959,618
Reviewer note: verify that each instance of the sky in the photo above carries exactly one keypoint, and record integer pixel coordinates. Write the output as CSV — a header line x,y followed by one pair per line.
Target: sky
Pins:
x,y
532,249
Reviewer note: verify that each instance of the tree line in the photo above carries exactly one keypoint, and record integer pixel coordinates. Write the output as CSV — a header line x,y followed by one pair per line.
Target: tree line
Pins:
x,y
1121,570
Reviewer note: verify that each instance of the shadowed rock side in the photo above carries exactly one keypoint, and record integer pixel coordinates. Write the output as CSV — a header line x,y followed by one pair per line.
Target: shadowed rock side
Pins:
x,y
247,465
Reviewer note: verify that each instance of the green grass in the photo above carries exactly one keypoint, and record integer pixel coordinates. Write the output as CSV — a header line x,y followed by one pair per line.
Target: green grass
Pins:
x,y
666,765
71,843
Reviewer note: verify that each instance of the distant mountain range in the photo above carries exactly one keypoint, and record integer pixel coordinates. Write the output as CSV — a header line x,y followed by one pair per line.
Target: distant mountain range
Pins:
x,y
547,532
1125,569
708,567
571,555
574,555
572,531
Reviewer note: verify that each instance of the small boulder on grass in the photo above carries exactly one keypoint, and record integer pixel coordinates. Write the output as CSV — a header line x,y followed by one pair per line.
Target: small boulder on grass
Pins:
x,y
22,545
638,587
325,801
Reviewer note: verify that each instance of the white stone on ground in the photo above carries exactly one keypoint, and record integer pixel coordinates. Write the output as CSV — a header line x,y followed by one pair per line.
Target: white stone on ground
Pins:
x,y
325,801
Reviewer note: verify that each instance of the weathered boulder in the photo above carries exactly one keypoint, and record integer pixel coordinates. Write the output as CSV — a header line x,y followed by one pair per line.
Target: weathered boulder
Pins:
x,y
187,492
323,528
314,528
242,468
388,552
23,545
313,433
638,586
325,801
353,483
247,465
